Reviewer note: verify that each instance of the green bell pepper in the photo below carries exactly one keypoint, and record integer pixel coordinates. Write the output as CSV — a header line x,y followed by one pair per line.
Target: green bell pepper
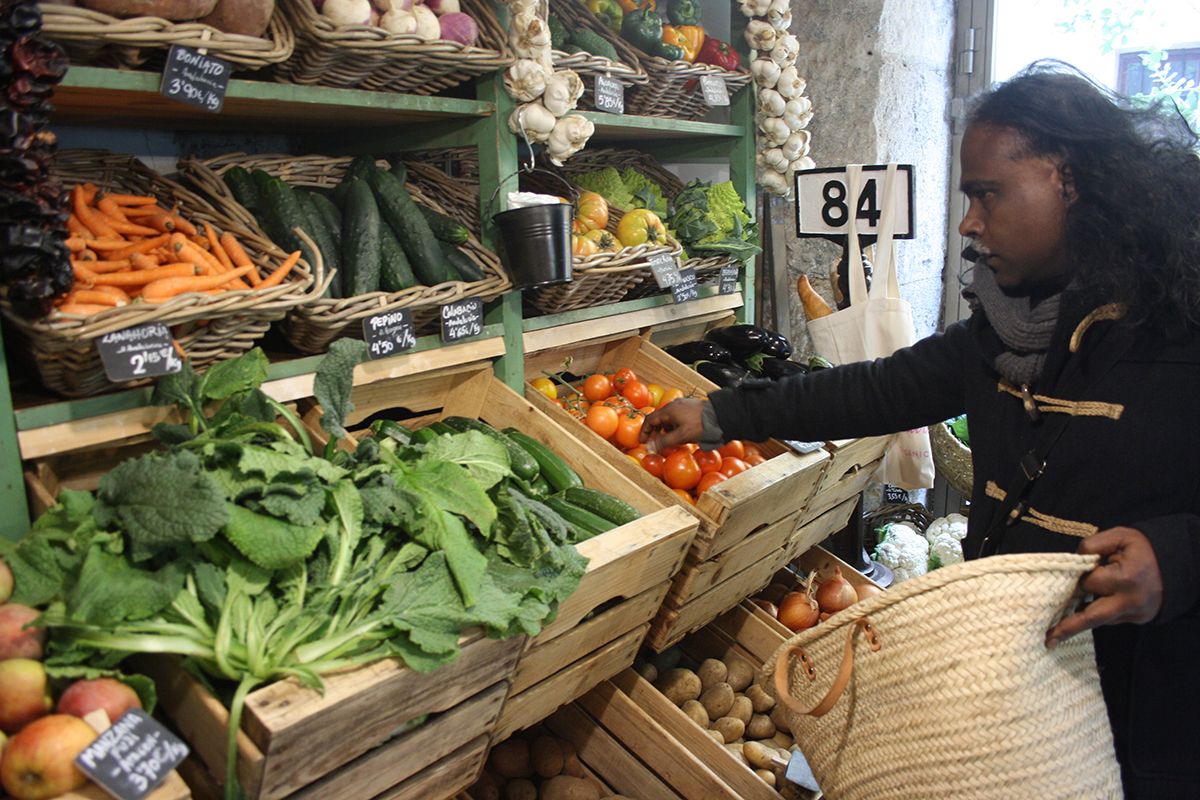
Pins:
x,y
684,12
643,29
607,11
671,52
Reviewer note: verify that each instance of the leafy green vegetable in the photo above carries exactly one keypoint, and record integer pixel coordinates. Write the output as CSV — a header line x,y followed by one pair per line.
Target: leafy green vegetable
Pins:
x,y
958,426
608,184
269,542
711,218
646,193
335,380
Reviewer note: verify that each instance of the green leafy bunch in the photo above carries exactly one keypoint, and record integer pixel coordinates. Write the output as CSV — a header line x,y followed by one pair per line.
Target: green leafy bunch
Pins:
x,y
712,219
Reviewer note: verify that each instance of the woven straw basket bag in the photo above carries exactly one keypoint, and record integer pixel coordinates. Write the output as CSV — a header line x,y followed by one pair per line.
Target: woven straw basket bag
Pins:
x,y
942,687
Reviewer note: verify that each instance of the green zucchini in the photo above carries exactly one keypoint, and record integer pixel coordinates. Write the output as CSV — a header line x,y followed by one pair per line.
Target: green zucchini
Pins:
x,y
540,484
461,263
424,435
319,230
360,241
330,213
400,171
446,229
242,186
358,170
579,517
395,273
260,180
601,504
556,527
420,245
553,468
523,465
531,488
392,430
282,212
441,428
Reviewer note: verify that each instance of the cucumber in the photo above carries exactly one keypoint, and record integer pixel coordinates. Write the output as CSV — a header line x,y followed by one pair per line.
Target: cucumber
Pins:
x,y
242,186
260,180
400,171
282,212
579,517
553,468
445,228
461,263
540,484
532,489
360,241
395,273
523,465
330,213
602,504
318,228
419,243
441,428
392,430
359,169
424,436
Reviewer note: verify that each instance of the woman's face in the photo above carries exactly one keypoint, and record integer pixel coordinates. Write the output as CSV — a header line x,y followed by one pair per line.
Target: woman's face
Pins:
x,y
1018,208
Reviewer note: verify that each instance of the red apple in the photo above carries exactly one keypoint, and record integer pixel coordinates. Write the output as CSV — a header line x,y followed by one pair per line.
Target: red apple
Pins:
x,y
39,762
24,693
83,697
17,641
6,582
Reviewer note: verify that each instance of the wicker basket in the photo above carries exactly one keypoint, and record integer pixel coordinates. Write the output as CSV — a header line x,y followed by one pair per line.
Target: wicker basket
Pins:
x,y
588,66
672,88
90,37
952,459
208,327
957,661
368,57
312,326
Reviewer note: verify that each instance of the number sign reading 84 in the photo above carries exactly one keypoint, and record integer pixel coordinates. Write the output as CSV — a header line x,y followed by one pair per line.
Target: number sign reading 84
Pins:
x,y
823,203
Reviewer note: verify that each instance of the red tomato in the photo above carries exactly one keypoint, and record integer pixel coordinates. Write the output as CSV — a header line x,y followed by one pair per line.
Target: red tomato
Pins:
x,y
597,387
647,410
681,471
636,393
753,460
654,463
732,466
629,429
734,449
751,450
709,461
623,376
708,481
684,496
603,420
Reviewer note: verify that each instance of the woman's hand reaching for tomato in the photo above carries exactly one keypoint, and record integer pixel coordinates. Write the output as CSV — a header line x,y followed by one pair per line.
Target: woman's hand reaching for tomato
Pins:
x,y
676,423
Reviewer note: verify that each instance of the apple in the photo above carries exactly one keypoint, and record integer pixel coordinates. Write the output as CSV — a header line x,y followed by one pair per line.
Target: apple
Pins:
x,y
83,697
39,762
17,641
24,693
6,582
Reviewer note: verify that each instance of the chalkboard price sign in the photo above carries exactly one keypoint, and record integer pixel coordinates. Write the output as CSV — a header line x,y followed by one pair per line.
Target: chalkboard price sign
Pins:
x,y
666,270
462,319
686,288
715,92
195,79
729,280
610,95
132,757
143,351
389,334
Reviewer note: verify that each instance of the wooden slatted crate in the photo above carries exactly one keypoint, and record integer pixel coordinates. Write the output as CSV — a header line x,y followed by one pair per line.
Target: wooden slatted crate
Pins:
x,y
851,466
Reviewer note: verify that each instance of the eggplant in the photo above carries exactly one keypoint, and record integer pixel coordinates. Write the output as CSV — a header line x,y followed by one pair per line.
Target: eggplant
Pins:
x,y
723,375
741,340
778,368
777,346
691,352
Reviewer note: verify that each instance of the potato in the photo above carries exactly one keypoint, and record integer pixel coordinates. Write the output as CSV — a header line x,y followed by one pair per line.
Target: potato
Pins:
x,y
510,759
520,789
735,750
758,755
716,736
711,673
718,700
761,700
741,708
174,10
730,727
487,787
564,787
667,660
647,671
780,717
782,739
698,713
760,727
767,776
740,675
680,685
247,17
547,757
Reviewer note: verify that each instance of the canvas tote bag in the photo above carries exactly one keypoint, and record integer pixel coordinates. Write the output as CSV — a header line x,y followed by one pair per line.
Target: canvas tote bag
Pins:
x,y
877,324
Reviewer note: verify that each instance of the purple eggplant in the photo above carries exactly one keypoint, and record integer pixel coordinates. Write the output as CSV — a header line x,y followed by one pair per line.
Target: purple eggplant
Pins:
x,y
692,352
723,375
778,368
741,340
777,346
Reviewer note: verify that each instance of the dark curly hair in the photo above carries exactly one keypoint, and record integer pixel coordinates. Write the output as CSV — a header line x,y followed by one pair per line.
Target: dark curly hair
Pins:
x,y
1134,232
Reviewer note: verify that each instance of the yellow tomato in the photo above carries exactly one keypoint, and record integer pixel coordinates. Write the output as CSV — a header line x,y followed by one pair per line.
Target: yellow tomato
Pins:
x,y
641,226
582,247
592,214
656,393
605,241
546,387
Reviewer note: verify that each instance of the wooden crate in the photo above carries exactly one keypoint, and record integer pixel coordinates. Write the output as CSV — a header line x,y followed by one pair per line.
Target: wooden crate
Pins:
x,y
851,466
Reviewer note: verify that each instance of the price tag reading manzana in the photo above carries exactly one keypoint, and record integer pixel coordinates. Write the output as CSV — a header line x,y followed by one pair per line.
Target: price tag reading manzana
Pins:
x,y
196,79
610,95
686,288
389,334
462,319
666,270
715,92
132,757
729,279
143,351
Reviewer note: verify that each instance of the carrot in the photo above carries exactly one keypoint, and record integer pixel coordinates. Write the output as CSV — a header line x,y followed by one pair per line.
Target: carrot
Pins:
x,y
93,220
108,244
132,199
164,222
214,247
113,291
146,276
280,272
161,290
89,192
111,209
83,274
101,267
128,227
85,255
76,244
93,297
77,228
140,261
182,224
238,256
184,249
83,309
144,246
137,212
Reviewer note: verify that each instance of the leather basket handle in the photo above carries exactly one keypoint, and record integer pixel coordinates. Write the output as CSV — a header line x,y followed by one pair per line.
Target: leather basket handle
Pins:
x,y
845,672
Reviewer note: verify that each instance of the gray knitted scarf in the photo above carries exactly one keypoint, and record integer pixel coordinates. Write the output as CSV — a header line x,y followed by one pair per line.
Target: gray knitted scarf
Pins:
x,y
1025,331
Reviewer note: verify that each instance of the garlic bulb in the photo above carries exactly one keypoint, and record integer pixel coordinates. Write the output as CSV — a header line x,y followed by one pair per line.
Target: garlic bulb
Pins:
x,y
563,90
529,35
532,121
775,131
774,182
796,145
775,159
569,136
790,84
755,8
780,21
804,163
765,72
761,36
786,48
525,80
778,7
771,103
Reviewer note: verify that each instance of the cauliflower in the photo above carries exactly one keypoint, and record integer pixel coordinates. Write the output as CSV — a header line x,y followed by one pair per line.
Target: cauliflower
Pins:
x,y
646,193
904,550
953,524
944,550
727,210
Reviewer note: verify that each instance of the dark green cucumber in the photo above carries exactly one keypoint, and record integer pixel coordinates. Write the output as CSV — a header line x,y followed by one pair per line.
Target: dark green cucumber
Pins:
x,y
392,430
360,167
532,489
360,241
602,504
330,213
556,527
446,229
395,273
461,263
540,484
552,468
282,213
579,517
441,428
419,243
400,171
242,186
260,180
424,435
523,465
319,230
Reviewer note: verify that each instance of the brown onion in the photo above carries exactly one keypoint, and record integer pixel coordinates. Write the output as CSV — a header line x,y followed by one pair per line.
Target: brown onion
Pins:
x,y
798,611
767,606
865,590
835,593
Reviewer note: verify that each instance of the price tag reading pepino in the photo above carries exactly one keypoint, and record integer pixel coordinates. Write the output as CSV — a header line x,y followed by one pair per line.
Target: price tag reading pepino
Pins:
x,y
729,280
666,270
686,288
462,319
610,95
823,202
195,79
715,92
132,757
143,351
389,334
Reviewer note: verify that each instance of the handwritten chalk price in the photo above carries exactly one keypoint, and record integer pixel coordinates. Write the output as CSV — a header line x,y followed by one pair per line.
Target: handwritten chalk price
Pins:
x,y
143,351
389,334
462,319
729,280
686,288
132,757
195,79
666,270
610,95
715,92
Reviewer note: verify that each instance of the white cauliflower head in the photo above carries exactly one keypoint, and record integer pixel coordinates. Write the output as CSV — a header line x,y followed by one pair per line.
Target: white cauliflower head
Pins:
x,y
945,550
953,524
903,550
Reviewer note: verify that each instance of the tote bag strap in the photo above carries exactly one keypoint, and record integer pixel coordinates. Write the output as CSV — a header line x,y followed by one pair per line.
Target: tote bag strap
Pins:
x,y
855,275
885,282
840,681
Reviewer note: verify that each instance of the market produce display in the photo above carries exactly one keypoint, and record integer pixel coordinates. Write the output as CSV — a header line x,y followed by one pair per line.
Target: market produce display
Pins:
x,y
910,552
536,765
729,356
427,21
711,219
821,594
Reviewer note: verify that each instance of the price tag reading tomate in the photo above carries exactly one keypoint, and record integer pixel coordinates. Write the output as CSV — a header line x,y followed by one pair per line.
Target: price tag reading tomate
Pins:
x,y
729,280
462,319
610,95
132,757
143,351
715,92
686,288
823,201
666,270
389,334
194,78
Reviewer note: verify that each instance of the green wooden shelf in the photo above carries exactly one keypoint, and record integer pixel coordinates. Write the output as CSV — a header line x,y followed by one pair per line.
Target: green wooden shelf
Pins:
x,y
616,127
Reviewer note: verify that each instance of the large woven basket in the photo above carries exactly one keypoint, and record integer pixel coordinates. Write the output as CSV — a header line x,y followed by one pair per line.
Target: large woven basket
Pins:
x,y
369,57
950,691
952,459
208,327
628,70
312,326
90,37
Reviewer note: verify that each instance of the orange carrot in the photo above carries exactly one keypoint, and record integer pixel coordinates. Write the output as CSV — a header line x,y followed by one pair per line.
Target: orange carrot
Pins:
x,y
182,224
128,227
145,276
238,256
108,244
85,255
161,290
83,309
83,274
137,212
214,247
164,222
101,267
93,297
93,220
112,291
89,192
111,209
144,246
76,244
141,261
280,272
77,228
185,250
132,199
